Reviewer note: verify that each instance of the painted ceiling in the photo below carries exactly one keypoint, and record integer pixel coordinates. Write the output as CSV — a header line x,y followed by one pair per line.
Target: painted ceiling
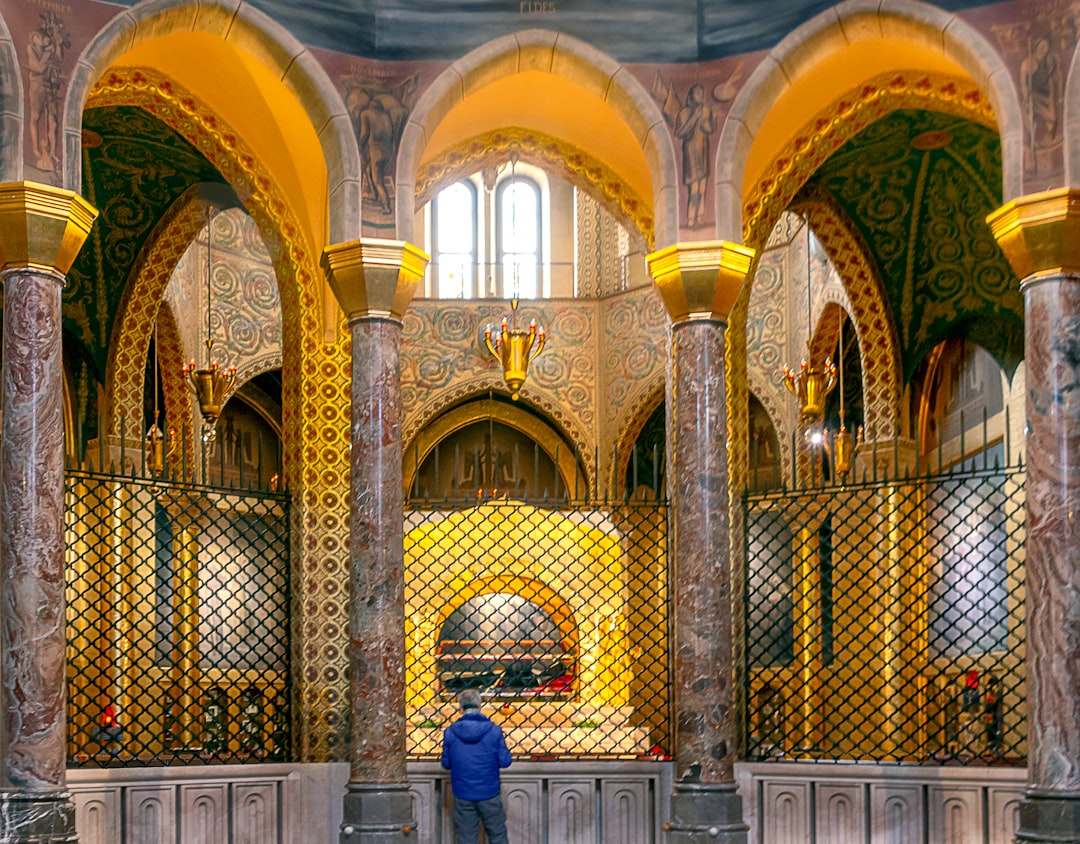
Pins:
x,y
917,186
134,169
628,30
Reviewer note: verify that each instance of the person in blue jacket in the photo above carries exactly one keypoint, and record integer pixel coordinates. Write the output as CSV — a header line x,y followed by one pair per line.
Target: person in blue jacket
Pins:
x,y
473,752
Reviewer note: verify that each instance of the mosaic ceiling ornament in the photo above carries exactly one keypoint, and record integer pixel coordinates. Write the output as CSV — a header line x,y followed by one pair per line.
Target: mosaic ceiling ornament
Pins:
x,y
917,185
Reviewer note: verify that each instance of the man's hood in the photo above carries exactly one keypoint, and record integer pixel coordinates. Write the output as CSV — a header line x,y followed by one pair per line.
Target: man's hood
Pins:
x,y
471,727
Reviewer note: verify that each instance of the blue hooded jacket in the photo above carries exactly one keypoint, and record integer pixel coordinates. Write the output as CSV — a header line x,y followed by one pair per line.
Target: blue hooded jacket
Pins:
x,y
473,752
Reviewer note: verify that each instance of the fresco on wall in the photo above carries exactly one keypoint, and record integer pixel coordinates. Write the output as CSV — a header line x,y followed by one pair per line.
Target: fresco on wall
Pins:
x,y
694,106
45,50
1037,46
379,106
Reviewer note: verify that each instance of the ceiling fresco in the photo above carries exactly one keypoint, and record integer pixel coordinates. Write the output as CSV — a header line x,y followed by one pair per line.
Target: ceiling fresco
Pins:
x,y
918,186
627,30
134,169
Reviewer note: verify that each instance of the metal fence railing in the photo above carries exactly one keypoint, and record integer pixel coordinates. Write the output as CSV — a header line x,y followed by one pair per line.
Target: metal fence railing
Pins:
x,y
178,622
556,611
885,619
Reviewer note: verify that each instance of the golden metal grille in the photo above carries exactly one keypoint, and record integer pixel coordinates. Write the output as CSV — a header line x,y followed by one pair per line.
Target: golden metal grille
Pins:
x,y
557,611
885,619
178,622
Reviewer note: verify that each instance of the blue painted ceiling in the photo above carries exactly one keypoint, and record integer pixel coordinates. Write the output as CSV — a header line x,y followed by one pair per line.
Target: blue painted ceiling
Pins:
x,y
628,30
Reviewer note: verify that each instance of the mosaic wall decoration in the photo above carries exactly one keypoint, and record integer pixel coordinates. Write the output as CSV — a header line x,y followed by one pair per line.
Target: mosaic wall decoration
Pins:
x,y
134,168
918,186
443,361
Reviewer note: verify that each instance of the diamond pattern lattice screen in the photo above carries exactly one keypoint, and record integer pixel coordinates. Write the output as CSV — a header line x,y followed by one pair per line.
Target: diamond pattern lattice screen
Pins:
x,y
884,620
178,623
559,617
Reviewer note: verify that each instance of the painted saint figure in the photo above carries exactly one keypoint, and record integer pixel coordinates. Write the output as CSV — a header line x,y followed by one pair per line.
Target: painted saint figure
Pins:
x,y
44,61
694,124
1040,80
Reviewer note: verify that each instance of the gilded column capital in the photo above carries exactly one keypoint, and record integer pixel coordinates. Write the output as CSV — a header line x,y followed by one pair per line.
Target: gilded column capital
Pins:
x,y
42,227
1040,233
372,277
700,280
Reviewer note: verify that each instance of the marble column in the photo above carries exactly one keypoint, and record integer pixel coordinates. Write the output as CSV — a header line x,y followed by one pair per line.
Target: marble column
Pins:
x,y
41,231
1040,235
698,283
374,281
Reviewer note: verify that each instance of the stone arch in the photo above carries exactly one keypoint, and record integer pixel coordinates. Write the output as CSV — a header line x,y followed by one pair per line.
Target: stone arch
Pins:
x,y
941,33
562,56
294,267
540,430
476,388
247,30
638,415
573,164
865,304
11,107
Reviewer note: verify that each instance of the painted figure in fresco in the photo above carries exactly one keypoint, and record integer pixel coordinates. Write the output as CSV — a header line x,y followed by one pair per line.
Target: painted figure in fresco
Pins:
x,y
694,124
1040,80
379,116
44,61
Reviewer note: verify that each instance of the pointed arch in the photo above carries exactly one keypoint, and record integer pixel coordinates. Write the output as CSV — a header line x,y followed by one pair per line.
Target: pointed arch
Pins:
x,y
629,108
941,41
282,70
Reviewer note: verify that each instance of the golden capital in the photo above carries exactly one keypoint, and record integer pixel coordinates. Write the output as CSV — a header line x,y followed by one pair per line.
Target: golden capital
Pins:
x,y
41,227
700,280
1040,233
372,277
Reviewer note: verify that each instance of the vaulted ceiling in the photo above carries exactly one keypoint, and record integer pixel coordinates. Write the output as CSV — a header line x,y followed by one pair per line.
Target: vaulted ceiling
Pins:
x,y
917,185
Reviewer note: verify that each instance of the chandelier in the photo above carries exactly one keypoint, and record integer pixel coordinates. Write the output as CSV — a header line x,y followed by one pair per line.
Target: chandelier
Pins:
x,y
811,385
515,348
209,383
155,439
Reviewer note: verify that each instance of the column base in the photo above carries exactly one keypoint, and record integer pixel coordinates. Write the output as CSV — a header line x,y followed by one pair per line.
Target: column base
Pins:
x,y
377,813
702,813
1049,819
37,818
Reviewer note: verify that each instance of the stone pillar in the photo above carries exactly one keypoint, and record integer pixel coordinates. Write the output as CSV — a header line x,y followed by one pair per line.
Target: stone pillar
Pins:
x,y
1040,235
41,230
374,281
698,283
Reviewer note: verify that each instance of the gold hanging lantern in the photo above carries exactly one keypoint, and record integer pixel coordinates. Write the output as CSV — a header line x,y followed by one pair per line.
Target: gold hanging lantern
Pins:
x,y
515,348
210,383
811,386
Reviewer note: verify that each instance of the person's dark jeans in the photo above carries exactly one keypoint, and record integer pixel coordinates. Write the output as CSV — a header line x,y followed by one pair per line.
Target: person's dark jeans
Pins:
x,y
469,813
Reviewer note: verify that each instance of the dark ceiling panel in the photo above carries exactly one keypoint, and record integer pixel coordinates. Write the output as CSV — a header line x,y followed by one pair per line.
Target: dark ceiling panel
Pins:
x,y
628,30
918,186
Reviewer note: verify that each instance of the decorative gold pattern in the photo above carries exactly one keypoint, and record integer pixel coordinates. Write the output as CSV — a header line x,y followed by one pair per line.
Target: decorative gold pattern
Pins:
x,y
565,160
1040,233
42,228
878,345
841,122
315,406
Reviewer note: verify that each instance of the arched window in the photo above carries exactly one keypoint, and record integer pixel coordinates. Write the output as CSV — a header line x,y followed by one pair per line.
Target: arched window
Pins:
x,y
507,646
518,237
454,228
